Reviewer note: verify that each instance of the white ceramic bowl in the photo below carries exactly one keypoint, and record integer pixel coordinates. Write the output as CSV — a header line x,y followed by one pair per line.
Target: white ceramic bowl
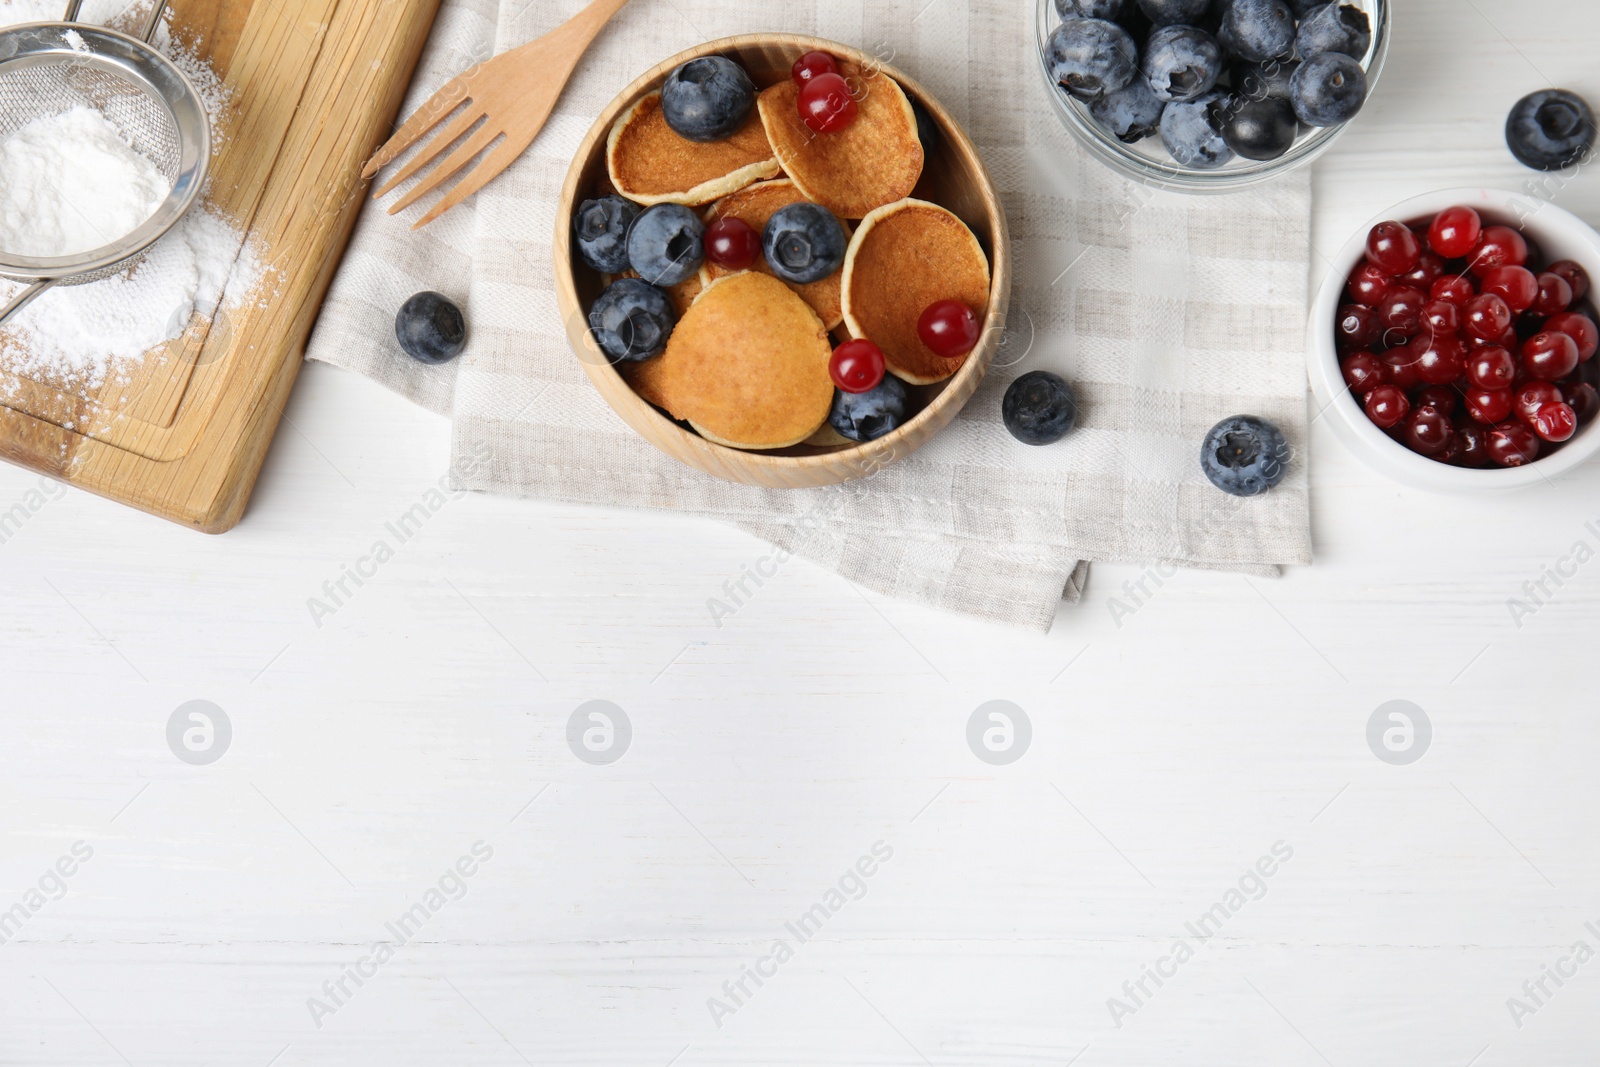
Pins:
x,y
1556,233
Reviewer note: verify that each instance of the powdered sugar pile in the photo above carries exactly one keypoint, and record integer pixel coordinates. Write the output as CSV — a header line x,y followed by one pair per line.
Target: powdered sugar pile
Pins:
x,y
78,337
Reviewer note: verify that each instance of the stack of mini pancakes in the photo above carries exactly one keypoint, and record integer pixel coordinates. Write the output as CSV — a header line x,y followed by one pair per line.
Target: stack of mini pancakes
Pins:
x,y
747,362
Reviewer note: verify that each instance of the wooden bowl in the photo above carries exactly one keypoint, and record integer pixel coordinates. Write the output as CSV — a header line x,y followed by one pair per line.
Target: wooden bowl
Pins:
x,y
953,176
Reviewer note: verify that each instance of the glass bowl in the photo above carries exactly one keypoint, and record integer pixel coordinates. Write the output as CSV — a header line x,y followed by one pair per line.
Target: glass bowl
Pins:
x,y
1148,161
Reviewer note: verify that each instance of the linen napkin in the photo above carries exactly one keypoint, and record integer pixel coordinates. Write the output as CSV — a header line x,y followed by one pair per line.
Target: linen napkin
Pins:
x,y
1167,312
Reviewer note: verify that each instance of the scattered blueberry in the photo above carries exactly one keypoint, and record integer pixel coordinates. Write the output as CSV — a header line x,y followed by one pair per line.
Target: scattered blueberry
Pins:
x,y
1550,129
1090,57
1192,130
602,227
1258,30
1328,89
707,99
431,328
868,416
1175,12
1132,113
632,320
1039,408
1098,9
1334,28
1261,129
667,244
1244,455
1257,81
803,242
1181,62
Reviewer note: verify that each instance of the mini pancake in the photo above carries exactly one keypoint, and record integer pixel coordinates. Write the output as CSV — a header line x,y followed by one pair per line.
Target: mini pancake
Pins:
x,y
747,366
755,204
876,160
904,257
650,164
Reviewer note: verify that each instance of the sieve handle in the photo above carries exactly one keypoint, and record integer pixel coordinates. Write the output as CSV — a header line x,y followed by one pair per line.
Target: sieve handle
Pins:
x,y
72,11
149,27
27,297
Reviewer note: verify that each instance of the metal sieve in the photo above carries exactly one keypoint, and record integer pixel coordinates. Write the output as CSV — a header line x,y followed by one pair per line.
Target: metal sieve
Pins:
x,y
139,91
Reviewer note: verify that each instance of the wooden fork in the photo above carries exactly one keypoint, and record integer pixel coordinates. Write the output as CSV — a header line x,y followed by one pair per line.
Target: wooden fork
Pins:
x,y
511,95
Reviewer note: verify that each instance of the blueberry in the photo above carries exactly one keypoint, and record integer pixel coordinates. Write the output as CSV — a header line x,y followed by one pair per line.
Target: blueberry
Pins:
x,y
1039,408
1334,28
1302,8
1261,129
430,328
632,320
667,244
1551,129
1092,57
707,99
1095,9
1257,30
602,230
1181,62
1066,10
803,242
1258,81
1328,89
1174,12
868,416
1192,130
1131,113
1244,455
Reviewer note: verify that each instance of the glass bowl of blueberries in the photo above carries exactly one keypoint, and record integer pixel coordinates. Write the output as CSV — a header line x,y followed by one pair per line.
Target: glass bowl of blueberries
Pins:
x,y
1209,95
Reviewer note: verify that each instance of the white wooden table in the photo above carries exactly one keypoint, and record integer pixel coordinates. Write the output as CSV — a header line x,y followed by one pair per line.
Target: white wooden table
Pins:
x,y
429,713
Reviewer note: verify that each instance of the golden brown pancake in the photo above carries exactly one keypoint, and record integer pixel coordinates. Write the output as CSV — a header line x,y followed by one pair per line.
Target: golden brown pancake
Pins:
x,y
876,160
651,164
755,204
747,366
904,257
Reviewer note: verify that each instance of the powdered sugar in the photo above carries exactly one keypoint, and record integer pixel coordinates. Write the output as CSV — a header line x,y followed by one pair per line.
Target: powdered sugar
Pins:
x,y
70,183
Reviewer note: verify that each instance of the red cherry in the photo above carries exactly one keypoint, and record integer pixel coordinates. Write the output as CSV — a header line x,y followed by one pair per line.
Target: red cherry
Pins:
x,y
1472,447
1487,316
810,65
1368,284
1512,444
826,104
1550,355
1454,288
732,243
1583,399
1575,275
1393,248
1555,422
1555,294
1429,269
1401,310
1500,246
1402,364
1428,431
1439,359
949,328
1515,285
1441,317
856,366
1455,231
1580,328
1357,327
1387,405
1363,372
1528,399
1489,406
1441,398
1491,367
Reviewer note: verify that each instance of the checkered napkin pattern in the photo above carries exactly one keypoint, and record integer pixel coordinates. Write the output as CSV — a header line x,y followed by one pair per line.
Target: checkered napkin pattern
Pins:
x,y
1167,312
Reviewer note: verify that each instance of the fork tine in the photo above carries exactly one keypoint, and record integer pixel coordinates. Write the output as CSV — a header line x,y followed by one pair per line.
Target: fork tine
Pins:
x,y
489,167
430,151
458,159
429,115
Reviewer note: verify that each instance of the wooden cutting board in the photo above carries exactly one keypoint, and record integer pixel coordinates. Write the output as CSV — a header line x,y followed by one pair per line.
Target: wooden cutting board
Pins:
x,y
316,84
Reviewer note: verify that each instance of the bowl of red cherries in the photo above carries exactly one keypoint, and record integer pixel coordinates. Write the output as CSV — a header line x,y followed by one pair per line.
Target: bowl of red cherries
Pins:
x,y
1453,341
